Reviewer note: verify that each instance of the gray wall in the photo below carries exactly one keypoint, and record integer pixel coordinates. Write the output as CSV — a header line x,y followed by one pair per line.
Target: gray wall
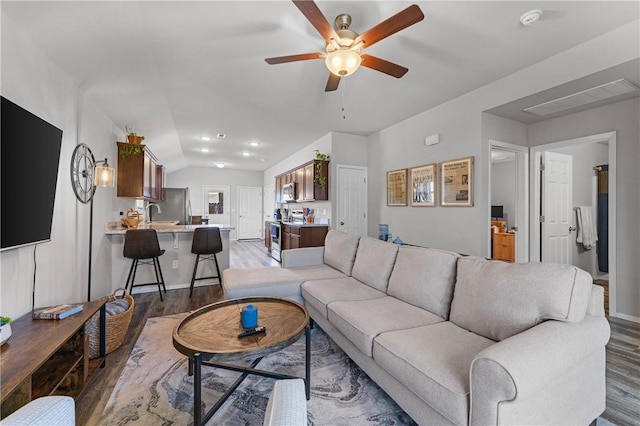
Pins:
x,y
621,117
33,81
195,178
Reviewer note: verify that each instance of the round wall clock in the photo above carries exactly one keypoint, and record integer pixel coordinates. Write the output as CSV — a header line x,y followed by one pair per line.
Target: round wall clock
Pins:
x,y
82,167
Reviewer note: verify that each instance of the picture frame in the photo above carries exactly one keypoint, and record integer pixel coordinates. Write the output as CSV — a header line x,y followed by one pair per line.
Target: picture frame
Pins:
x,y
397,187
423,185
456,182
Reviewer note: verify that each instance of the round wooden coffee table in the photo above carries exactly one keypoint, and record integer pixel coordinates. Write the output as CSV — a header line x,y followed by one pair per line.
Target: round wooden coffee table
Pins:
x,y
212,332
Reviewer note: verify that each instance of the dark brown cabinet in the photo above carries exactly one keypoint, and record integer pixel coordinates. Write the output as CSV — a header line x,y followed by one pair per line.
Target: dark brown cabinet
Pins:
x,y
267,235
311,179
138,175
299,236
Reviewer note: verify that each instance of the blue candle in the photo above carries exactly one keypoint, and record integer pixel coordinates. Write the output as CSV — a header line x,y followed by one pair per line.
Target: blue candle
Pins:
x,y
249,316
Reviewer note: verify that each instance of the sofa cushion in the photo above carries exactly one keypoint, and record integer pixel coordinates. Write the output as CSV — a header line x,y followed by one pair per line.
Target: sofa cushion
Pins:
x,y
320,272
497,299
340,250
433,361
425,278
272,281
319,293
374,262
362,320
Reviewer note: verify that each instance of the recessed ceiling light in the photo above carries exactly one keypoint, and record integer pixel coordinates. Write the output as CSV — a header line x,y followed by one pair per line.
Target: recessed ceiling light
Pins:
x,y
254,143
205,138
262,159
204,150
220,165
531,17
246,154
221,135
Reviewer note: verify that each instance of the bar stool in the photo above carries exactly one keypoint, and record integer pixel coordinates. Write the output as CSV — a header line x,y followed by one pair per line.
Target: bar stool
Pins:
x,y
206,243
143,247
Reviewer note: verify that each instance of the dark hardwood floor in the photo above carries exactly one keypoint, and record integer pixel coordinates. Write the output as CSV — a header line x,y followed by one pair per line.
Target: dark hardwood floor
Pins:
x,y
623,350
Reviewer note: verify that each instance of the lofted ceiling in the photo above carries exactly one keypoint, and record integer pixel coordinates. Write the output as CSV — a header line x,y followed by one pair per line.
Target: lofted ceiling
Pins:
x,y
178,70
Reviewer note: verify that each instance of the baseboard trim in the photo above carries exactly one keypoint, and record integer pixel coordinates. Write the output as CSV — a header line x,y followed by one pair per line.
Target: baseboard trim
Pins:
x,y
626,317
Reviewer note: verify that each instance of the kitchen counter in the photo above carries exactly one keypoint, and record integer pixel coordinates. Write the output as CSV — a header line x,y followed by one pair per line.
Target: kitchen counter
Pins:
x,y
304,225
115,228
176,262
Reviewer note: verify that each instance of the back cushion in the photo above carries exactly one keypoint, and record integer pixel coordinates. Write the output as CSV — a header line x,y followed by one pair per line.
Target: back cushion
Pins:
x,y
374,262
424,278
340,250
498,300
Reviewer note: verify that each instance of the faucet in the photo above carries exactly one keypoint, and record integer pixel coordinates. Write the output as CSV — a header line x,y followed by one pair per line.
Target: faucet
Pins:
x,y
148,210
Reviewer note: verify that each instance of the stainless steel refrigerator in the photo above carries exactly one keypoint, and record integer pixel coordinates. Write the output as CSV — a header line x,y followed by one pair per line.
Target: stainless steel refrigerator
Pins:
x,y
176,206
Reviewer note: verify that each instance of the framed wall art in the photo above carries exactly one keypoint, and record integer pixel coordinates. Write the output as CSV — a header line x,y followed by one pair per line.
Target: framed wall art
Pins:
x,y
456,179
397,187
423,185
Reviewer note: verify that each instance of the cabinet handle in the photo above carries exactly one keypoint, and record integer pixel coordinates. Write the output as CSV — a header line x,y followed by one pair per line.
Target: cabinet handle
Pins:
x,y
341,223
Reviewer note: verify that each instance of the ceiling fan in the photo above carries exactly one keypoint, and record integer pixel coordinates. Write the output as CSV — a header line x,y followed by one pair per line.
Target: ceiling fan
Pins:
x,y
343,51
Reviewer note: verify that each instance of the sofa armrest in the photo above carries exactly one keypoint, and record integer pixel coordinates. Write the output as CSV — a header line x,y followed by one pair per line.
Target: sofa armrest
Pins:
x,y
308,256
516,368
47,410
287,404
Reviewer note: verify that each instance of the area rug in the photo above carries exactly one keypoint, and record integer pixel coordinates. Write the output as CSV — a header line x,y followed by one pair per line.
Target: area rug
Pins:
x,y
155,389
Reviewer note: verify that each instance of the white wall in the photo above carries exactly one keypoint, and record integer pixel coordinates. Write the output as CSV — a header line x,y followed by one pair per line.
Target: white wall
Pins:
x,y
621,117
31,80
195,178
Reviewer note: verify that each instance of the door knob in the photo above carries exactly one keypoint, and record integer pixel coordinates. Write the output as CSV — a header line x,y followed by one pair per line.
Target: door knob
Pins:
x,y
571,229
341,223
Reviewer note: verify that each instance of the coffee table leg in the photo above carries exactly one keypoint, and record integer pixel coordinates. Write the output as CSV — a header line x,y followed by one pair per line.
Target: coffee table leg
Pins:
x,y
190,372
197,387
307,382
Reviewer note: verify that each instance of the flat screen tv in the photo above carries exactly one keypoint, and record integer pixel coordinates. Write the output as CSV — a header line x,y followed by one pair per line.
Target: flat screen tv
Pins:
x,y
30,156
497,212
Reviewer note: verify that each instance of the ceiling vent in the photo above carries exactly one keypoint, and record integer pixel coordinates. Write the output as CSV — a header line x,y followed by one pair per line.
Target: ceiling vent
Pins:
x,y
595,94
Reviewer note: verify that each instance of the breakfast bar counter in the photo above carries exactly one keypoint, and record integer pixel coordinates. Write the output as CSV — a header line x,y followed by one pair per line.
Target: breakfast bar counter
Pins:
x,y
176,262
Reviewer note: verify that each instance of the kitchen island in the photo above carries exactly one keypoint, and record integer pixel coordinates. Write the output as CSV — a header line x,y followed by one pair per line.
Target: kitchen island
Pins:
x,y
176,262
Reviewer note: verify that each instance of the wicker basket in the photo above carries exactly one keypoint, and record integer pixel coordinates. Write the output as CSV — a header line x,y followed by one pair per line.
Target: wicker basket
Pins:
x,y
116,327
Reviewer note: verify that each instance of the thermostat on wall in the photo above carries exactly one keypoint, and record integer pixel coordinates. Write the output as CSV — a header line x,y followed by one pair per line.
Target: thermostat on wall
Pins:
x,y
432,140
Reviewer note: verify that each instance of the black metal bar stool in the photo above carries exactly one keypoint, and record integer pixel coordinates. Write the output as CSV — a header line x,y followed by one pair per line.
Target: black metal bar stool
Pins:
x,y
206,243
143,247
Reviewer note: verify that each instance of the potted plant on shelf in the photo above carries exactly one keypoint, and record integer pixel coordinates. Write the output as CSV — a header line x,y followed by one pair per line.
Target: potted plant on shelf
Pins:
x,y
320,178
5,329
133,147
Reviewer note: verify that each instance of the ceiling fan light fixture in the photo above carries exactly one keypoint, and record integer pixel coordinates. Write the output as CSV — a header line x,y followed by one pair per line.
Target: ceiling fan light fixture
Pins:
x,y
343,62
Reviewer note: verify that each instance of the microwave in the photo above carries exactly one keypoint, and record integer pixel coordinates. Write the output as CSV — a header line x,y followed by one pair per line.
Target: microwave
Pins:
x,y
289,191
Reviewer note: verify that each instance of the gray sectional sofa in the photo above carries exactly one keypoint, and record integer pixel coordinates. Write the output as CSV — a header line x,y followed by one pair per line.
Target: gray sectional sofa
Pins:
x,y
452,339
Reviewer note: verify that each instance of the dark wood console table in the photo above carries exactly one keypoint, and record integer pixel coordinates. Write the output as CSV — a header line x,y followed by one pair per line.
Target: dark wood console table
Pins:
x,y
48,357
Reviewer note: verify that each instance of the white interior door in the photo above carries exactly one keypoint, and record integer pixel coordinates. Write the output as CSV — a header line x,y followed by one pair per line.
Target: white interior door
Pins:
x,y
352,200
557,208
249,212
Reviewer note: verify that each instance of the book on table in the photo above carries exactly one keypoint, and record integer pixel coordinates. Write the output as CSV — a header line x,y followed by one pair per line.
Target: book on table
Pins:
x,y
57,312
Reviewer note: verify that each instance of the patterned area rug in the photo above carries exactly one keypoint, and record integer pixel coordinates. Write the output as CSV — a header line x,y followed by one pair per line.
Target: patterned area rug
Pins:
x,y
155,389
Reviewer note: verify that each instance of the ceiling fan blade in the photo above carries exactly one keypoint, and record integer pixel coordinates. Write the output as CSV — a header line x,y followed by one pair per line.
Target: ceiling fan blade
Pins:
x,y
381,65
332,82
310,10
294,58
397,22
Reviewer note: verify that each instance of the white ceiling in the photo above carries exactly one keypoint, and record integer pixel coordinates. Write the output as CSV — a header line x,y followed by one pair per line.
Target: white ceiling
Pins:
x,y
179,70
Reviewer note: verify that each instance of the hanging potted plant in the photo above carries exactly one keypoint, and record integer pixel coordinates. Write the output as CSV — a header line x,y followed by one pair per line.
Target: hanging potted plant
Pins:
x,y
320,178
5,329
134,145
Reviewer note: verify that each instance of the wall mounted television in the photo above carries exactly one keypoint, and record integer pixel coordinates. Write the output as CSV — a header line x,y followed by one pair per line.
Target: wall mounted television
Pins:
x,y
30,155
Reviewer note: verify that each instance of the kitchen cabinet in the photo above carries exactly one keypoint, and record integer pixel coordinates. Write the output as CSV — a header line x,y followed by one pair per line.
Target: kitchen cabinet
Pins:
x,y
307,186
504,246
299,236
159,184
267,235
138,175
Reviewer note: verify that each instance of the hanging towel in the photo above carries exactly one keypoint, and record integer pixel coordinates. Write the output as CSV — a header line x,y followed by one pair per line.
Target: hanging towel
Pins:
x,y
587,233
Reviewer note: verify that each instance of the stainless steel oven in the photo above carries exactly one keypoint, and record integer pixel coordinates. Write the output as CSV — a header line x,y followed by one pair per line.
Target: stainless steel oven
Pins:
x,y
276,240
